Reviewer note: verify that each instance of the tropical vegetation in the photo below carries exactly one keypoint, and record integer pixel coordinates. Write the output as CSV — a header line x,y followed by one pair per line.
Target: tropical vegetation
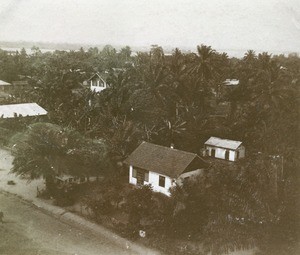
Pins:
x,y
172,99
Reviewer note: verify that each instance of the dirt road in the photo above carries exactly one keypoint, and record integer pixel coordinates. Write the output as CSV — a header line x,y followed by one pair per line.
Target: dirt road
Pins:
x,y
28,231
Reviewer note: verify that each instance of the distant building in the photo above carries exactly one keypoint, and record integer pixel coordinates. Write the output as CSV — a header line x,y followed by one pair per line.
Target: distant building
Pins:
x,y
231,82
20,85
4,96
224,149
222,109
162,167
70,179
5,86
21,110
97,83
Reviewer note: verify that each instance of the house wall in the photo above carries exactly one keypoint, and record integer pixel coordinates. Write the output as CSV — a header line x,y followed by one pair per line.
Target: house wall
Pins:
x,y
242,152
132,180
97,89
220,153
154,181
97,85
6,88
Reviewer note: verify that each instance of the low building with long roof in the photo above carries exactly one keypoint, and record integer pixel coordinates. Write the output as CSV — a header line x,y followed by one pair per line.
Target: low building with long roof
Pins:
x,y
21,110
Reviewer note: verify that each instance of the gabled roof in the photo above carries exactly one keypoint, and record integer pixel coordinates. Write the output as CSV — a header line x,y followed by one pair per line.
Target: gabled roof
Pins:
x,y
28,109
98,76
164,160
223,143
4,83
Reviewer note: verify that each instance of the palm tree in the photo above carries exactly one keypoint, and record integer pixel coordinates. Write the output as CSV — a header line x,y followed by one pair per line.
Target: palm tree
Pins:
x,y
46,150
40,152
250,56
203,64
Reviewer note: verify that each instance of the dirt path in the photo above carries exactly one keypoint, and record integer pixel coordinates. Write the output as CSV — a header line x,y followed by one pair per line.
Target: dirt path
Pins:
x,y
28,231
22,187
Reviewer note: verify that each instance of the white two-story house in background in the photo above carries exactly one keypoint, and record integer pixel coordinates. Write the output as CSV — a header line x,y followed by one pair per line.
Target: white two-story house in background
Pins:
x,y
162,167
97,83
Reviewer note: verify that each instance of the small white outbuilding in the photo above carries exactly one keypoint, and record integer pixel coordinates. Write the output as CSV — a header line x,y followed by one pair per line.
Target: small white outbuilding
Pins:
x,y
224,149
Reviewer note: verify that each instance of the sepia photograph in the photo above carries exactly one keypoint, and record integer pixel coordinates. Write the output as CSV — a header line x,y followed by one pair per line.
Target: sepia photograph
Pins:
x,y
149,127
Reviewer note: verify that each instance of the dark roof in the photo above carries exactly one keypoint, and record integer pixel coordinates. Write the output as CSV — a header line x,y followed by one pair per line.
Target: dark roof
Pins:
x,y
164,160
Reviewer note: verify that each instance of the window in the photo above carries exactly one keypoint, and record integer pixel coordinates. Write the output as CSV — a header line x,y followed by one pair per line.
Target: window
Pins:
x,y
146,176
162,181
134,173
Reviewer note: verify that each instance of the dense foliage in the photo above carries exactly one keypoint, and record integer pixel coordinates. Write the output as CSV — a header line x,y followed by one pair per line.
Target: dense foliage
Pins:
x,y
47,150
176,99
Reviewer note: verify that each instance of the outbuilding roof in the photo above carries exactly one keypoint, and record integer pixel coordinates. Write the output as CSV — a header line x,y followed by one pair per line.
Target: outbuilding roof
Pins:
x,y
16,110
164,160
223,143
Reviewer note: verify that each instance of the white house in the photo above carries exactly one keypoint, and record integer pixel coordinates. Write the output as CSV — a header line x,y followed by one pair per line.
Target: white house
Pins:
x,y
224,149
97,83
231,82
162,167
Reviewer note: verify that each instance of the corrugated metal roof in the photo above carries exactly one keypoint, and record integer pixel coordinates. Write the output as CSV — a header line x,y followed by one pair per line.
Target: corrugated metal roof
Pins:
x,y
164,160
28,109
4,83
223,143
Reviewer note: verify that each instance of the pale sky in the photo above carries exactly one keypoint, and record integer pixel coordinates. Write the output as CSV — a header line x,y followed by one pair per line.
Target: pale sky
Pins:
x,y
272,25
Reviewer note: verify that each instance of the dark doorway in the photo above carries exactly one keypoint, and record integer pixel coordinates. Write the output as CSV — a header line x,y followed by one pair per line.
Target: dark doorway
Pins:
x,y
227,155
213,152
